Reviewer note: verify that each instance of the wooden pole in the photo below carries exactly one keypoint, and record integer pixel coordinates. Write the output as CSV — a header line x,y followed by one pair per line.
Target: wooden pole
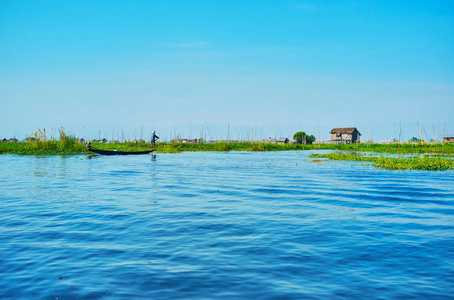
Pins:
x,y
201,136
228,131
255,130
433,135
417,126
357,135
425,133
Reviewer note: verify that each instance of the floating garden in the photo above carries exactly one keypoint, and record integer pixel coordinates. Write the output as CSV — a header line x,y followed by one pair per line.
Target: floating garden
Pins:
x,y
412,156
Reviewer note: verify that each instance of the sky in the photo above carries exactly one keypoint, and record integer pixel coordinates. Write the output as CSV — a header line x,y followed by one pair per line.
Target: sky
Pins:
x,y
250,68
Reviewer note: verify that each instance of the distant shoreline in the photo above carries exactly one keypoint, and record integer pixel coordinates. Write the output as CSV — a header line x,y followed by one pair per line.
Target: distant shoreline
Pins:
x,y
55,147
443,160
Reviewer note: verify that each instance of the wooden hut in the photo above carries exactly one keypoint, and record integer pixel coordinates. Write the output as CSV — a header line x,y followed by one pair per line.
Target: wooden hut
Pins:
x,y
345,135
282,141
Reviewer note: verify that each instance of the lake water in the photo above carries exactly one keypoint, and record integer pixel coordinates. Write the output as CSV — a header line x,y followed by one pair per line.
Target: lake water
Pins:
x,y
270,225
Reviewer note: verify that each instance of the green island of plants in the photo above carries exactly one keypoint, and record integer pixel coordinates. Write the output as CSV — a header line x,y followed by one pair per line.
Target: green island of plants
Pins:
x,y
39,144
68,145
440,154
446,149
392,163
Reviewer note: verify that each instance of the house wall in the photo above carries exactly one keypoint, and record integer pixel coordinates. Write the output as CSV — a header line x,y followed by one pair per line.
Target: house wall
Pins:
x,y
347,137
355,136
343,138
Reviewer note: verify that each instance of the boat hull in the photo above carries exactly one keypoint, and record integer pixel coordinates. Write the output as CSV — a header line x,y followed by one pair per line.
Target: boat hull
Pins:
x,y
109,152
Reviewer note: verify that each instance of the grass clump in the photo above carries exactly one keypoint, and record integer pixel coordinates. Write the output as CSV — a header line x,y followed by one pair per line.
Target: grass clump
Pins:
x,y
39,144
409,163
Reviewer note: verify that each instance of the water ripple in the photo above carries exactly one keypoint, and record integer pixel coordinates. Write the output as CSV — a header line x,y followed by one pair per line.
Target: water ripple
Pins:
x,y
222,225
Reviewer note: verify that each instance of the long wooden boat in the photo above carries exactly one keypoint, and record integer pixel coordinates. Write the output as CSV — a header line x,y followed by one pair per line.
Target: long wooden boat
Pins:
x,y
118,152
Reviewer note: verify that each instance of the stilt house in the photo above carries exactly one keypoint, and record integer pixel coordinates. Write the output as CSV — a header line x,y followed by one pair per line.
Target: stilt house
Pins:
x,y
345,135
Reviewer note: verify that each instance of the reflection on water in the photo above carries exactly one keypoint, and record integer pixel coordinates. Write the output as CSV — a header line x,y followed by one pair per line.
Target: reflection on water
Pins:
x,y
222,225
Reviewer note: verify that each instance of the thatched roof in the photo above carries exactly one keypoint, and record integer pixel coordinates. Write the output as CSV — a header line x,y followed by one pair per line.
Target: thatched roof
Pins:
x,y
344,130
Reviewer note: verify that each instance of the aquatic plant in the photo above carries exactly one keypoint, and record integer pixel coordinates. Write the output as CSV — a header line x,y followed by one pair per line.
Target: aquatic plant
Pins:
x,y
392,163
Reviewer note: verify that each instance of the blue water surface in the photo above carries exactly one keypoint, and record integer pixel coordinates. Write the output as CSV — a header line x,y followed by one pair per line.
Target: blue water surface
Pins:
x,y
236,225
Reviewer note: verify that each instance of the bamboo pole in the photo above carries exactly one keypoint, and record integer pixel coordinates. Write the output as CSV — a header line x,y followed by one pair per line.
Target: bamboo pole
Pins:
x,y
417,126
255,131
357,136
433,135
443,139
228,131
427,138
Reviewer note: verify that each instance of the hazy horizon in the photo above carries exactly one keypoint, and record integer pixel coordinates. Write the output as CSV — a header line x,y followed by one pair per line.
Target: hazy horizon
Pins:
x,y
256,132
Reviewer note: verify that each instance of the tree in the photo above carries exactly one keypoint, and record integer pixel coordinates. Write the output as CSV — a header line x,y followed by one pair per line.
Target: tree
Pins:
x,y
302,138
414,140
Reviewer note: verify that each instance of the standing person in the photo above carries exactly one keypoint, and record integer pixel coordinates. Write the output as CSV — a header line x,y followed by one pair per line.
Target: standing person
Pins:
x,y
154,137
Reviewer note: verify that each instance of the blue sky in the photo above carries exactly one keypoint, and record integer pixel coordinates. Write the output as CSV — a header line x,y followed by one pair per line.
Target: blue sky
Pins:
x,y
275,66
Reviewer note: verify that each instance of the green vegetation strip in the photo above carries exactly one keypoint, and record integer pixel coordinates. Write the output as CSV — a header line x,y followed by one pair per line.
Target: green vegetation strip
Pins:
x,y
446,149
416,163
68,145
72,146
